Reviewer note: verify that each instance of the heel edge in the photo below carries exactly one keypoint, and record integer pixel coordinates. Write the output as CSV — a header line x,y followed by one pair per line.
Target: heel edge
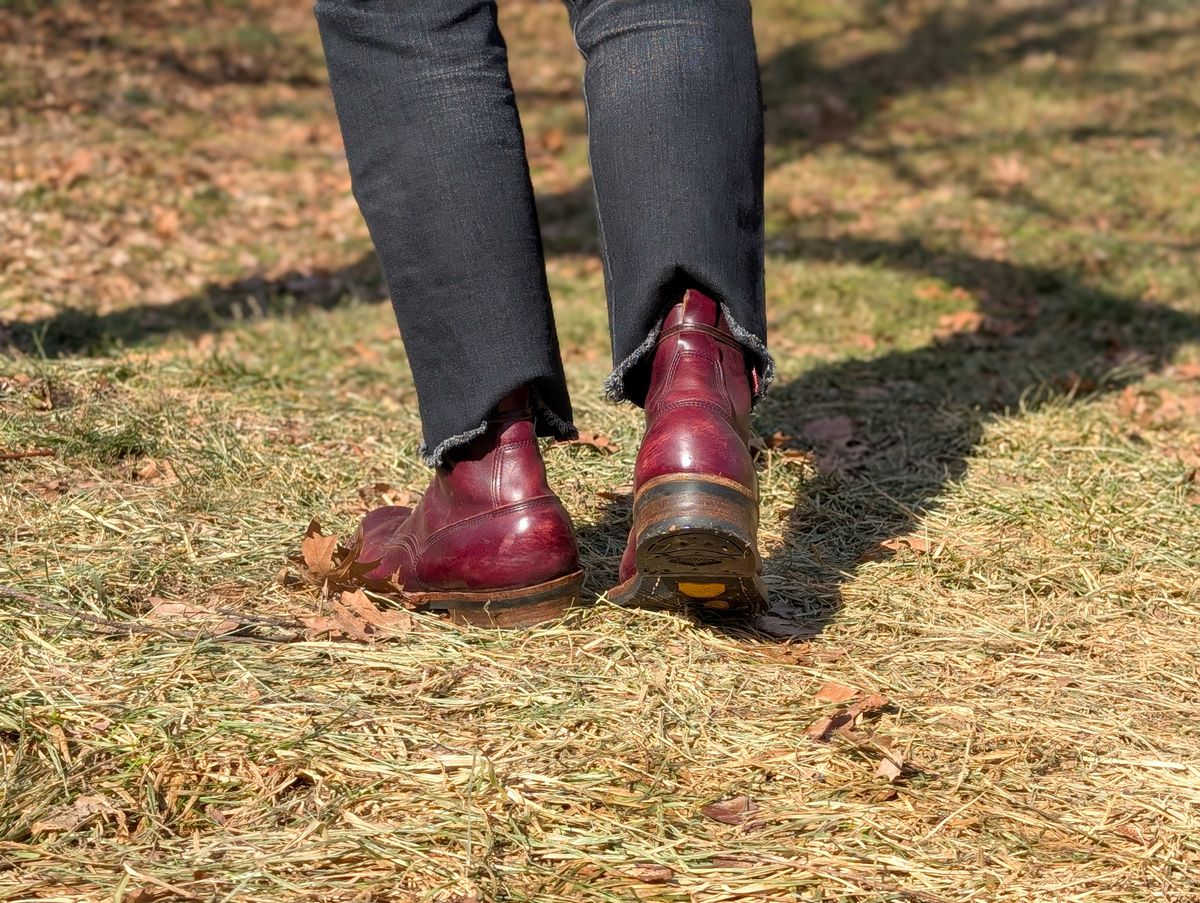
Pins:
x,y
509,609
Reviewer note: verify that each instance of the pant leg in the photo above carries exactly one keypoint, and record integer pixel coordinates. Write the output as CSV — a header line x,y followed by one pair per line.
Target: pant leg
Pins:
x,y
675,121
437,161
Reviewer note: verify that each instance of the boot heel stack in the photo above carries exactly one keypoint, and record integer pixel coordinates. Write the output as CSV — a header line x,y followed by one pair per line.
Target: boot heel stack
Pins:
x,y
695,546
508,609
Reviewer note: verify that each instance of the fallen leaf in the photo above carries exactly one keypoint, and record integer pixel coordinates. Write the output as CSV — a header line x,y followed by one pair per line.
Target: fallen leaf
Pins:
x,y
1157,408
891,765
384,493
778,439
918,544
1009,172
553,140
78,165
317,549
733,862
733,811
1185,371
166,223
49,491
824,728
622,493
1131,832
971,324
1072,383
598,441
146,894
325,561
155,472
869,703
784,627
354,616
786,653
74,816
834,692
842,452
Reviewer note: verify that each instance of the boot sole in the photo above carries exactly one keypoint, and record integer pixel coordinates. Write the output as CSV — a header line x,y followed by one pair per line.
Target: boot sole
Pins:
x,y
695,548
509,608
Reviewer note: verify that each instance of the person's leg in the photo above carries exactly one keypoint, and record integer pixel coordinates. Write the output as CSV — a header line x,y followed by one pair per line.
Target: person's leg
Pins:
x,y
437,160
438,165
675,121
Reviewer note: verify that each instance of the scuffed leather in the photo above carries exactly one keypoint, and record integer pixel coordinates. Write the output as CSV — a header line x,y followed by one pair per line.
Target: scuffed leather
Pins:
x,y
488,521
698,404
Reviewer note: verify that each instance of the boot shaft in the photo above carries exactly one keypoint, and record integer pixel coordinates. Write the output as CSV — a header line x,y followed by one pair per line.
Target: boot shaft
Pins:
x,y
503,465
698,403
699,363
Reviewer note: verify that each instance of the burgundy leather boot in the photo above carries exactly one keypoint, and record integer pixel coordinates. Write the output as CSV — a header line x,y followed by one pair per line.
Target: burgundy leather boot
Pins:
x,y
695,506
488,542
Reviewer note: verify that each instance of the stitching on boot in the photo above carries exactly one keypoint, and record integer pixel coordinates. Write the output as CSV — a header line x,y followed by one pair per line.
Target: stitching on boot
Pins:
x,y
438,535
699,404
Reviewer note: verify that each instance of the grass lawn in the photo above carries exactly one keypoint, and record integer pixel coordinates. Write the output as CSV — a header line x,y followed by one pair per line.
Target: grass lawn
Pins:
x,y
980,678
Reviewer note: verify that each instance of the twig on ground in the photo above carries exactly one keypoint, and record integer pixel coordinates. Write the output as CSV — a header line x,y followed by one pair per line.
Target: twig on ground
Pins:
x,y
28,453
110,627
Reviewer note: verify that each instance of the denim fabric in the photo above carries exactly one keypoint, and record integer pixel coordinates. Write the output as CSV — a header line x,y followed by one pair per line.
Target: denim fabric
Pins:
x,y
437,162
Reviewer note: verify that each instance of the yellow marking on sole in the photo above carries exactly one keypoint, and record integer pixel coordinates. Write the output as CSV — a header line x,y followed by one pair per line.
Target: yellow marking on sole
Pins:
x,y
702,590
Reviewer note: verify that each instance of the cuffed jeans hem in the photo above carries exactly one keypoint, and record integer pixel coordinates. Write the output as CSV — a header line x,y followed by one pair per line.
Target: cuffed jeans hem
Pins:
x,y
615,388
548,424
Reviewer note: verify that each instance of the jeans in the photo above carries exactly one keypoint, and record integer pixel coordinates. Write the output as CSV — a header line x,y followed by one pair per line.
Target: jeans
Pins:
x,y
438,167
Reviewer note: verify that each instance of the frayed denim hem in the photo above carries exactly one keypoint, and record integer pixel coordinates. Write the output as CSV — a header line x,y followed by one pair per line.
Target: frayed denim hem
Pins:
x,y
437,457
614,386
543,413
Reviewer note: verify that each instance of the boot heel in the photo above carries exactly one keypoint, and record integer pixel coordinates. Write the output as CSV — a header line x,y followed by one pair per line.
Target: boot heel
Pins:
x,y
517,608
695,547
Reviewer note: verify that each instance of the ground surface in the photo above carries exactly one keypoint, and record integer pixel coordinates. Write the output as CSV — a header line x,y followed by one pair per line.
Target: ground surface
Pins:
x,y
979,485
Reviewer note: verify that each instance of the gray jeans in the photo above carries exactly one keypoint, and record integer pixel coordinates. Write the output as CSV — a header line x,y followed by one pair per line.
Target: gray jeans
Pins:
x,y
437,160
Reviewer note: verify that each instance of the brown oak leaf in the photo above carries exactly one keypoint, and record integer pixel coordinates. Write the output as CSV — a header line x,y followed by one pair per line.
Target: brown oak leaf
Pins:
x,y
324,560
835,692
354,616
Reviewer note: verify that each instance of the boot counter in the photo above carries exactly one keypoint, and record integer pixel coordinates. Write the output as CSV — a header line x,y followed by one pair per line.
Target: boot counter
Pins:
x,y
515,546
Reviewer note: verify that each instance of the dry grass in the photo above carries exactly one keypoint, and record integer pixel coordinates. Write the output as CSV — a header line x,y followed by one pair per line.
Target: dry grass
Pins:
x,y
981,500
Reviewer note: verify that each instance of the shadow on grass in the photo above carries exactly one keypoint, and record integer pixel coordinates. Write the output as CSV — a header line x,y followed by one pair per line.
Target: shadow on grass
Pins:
x,y
73,331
